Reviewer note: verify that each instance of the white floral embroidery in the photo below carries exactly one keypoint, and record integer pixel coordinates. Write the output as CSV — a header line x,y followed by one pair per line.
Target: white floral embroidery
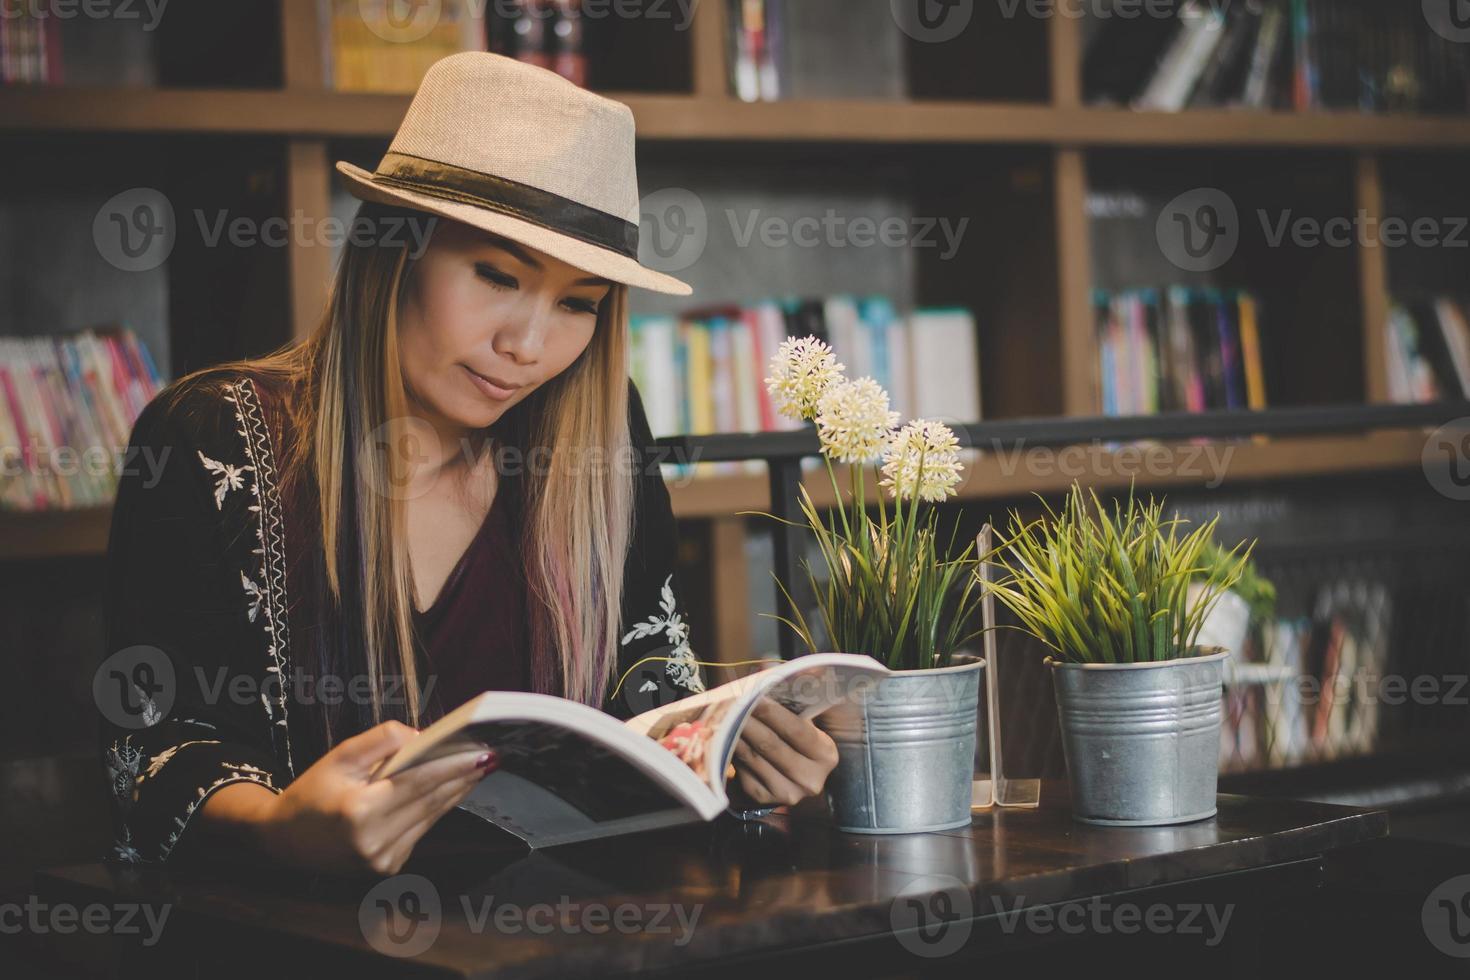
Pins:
x,y
253,593
266,590
227,477
163,757
238,772
681,666
124,759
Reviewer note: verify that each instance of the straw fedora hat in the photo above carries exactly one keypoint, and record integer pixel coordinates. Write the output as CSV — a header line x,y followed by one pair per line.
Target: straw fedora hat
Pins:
x,y
522,153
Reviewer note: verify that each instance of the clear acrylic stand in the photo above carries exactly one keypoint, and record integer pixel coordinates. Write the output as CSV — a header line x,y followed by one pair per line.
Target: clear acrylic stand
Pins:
x,y
996,790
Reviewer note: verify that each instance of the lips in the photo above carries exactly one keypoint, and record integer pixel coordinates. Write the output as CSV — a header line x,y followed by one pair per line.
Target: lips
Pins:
x,y
493,388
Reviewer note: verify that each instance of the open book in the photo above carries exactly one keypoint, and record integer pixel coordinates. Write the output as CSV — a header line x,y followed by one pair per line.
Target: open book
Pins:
x,y
569,772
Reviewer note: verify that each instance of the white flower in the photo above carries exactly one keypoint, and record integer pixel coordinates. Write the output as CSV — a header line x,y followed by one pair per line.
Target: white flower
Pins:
x,y
853,420
935,442
801,370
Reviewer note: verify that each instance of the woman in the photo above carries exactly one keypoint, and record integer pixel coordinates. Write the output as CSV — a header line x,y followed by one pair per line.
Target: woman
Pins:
x,y
443,490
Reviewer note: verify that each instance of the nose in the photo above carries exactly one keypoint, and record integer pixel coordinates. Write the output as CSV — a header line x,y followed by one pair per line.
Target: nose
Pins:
x,y
521,334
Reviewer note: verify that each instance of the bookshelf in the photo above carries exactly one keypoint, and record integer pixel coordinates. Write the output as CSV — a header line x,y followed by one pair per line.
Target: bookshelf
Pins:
x,y
972,125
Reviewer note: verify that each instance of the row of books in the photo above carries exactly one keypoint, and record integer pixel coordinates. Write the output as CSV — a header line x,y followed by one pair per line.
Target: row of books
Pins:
x,y
30,47
1428,355
796,49
1178,350
1280,54
369,45
1319,693
67,407
704,372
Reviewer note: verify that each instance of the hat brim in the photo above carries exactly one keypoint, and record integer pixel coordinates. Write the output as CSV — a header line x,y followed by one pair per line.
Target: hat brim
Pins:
x,y
590,258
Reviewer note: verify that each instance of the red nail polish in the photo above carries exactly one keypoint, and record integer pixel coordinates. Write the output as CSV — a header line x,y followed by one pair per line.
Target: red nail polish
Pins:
x,y
489,762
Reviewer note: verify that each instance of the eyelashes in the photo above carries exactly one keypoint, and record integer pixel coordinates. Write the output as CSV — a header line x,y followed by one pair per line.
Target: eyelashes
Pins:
x,y
502,280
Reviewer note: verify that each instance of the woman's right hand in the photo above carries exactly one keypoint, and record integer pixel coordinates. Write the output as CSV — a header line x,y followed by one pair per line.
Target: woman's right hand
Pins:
x,y
334,817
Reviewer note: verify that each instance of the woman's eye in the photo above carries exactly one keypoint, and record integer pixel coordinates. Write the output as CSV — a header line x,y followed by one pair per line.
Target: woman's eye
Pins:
x,y
580,306
495,277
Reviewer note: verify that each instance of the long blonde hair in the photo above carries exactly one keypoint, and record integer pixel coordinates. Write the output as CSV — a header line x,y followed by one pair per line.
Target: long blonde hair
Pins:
x,y
576,501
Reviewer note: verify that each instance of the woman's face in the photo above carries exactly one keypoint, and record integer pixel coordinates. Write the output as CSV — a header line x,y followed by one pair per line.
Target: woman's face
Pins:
x,y
485,321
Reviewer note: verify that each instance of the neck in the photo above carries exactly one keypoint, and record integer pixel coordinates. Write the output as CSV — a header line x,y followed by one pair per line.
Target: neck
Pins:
x,y
442,448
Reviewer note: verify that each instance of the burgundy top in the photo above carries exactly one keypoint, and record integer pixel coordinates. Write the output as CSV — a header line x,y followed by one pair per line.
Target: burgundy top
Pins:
x,y
474,632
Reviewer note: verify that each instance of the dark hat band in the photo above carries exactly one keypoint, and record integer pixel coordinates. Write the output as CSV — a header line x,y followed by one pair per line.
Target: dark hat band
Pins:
x,y
551,211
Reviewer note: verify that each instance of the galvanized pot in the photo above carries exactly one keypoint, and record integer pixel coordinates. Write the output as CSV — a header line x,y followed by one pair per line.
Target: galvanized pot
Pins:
x,y
1142,741
906,751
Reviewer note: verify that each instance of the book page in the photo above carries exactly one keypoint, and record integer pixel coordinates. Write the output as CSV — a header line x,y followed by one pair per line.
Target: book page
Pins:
x,y
703,729
567,771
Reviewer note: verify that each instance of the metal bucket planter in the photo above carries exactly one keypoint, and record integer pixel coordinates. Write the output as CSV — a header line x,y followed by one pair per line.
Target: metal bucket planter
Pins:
x,y
906,752
1142,741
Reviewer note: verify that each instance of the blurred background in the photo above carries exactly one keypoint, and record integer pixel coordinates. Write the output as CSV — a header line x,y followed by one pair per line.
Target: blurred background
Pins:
x,y
1004,210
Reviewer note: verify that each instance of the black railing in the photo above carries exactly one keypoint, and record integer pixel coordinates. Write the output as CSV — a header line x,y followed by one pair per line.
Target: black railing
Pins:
x,y
783,452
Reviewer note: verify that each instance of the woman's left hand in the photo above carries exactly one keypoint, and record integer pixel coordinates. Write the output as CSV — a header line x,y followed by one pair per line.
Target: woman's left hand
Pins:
x,y
781,758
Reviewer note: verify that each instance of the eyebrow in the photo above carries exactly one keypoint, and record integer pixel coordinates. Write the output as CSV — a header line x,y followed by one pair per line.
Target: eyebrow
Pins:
x,y
514,248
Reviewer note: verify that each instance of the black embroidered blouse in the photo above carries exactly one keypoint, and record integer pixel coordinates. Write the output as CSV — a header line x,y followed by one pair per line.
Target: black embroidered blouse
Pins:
x,y
203,627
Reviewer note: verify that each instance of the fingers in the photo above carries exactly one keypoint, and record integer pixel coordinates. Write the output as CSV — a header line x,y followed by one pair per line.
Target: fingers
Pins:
x,y
807,772
409,839
754,788
389,834
374,745
778,788
806,738
412,784
398,834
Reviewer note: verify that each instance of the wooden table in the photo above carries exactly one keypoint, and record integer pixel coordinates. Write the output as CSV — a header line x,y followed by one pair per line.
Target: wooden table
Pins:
x,y
783,894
